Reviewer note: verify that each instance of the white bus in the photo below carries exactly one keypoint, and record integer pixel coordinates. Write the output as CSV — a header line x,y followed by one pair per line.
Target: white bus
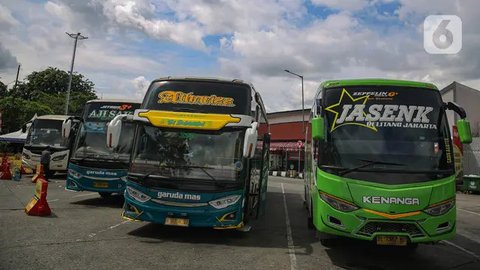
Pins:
x,y
46,130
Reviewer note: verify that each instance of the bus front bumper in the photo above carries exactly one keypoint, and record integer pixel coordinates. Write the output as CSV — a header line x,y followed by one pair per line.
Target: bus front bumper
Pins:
x,y
97,185
204,216
367,225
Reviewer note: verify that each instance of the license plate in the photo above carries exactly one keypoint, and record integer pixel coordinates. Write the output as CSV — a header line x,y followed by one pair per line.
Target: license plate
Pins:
x,y
100,184
182,222
391,240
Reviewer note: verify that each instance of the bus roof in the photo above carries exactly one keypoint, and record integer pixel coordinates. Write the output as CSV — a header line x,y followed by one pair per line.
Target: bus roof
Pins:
x,y
53,117
387,82
203,79
114,100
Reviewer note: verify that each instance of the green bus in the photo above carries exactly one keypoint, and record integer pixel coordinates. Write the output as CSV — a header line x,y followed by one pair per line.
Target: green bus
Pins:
x,y
380,163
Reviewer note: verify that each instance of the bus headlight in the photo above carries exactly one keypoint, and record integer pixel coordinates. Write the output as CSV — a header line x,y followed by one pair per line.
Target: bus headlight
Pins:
x,y
225,201
138,195
440,208
61,157
26,156
74,174
338,203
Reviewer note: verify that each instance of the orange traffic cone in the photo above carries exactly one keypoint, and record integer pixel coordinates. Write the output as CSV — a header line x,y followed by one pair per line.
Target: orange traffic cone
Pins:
x,y
5,173
38,173
38,205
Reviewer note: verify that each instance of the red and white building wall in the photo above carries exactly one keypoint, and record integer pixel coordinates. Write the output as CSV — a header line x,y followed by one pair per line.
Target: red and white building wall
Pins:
x,y
286,133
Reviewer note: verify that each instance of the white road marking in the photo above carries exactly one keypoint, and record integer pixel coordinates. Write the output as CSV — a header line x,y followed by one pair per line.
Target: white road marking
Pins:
x,y
470,212
291,247
83,195
462,249
470,236
109,228
54,200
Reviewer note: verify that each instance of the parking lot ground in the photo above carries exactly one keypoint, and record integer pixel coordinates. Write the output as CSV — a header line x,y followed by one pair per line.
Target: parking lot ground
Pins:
x,y
86,231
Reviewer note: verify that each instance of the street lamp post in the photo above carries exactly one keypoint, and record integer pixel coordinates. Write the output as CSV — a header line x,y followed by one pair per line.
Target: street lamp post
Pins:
x,y
76,36
303,111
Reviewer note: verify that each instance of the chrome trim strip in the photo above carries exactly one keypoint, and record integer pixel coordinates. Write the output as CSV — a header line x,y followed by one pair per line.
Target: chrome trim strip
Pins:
x,y
179,204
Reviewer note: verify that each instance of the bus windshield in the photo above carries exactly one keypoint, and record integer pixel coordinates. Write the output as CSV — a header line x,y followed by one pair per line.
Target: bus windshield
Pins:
x,y
46,132
188,154
91,142
379,134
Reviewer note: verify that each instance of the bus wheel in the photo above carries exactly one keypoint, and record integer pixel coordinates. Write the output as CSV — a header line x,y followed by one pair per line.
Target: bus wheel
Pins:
x,y
105,194
326,240
305,197
310,219
411,247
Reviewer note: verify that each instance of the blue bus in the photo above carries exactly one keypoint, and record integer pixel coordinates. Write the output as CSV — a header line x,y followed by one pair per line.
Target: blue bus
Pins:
x,y
200,154
93,166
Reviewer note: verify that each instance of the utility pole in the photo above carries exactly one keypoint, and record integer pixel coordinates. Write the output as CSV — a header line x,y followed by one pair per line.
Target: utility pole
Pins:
x,y
303,115
76,36
16,79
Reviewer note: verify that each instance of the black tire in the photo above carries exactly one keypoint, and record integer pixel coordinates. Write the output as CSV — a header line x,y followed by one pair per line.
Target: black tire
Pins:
x,y
310,224
327,240
105,195
411,247
305,197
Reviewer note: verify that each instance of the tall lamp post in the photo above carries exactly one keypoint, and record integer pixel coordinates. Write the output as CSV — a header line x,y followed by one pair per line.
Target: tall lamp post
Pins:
x,y
303,111
76,36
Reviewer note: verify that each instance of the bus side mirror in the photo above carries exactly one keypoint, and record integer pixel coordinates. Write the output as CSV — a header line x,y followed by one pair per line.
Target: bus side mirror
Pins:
x,y
250,143
464,131
318,128
24,128
114,128
66,128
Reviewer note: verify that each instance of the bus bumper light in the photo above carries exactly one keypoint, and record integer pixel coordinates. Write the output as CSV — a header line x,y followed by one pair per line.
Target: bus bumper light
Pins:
x,y
229,216
335,221
444,227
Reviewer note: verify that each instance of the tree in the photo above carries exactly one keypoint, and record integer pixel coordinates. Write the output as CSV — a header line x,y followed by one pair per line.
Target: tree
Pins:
x,y
57,102
43,92
53,81
3,90
17,111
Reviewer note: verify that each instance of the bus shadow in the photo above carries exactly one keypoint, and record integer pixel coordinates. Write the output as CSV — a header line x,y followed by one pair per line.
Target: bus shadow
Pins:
x,y
357,254
114,201
269,231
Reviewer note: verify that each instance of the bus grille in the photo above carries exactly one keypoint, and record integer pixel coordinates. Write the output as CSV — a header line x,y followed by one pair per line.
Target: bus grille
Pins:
x,y
390,227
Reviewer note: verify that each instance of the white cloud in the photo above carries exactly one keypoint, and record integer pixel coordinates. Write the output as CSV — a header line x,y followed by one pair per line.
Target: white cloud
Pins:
x,y
140,86
343,4
6,19
135,15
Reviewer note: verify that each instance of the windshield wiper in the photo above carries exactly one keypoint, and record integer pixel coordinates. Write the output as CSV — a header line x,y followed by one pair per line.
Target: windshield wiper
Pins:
x,y
143,177
367,164
202,168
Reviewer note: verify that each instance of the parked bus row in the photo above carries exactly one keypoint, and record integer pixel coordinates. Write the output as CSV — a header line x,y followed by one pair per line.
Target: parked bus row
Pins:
x,y
195,152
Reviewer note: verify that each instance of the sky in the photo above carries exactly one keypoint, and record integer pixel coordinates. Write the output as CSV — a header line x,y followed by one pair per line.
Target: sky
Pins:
x,y
131,43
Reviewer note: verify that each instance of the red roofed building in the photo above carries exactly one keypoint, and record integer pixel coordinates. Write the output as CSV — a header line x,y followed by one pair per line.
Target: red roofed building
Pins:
x,y
286,131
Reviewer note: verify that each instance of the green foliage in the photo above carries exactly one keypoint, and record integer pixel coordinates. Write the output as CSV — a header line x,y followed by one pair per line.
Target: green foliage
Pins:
x,y
17,111
43,92
3,90
54,81
57,102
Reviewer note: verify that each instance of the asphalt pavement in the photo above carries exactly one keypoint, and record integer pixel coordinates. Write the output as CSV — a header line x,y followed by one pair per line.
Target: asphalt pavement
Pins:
x,y
86,231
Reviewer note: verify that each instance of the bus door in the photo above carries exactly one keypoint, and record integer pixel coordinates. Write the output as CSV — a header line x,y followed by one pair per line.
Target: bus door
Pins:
x,y
263,183
258,179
